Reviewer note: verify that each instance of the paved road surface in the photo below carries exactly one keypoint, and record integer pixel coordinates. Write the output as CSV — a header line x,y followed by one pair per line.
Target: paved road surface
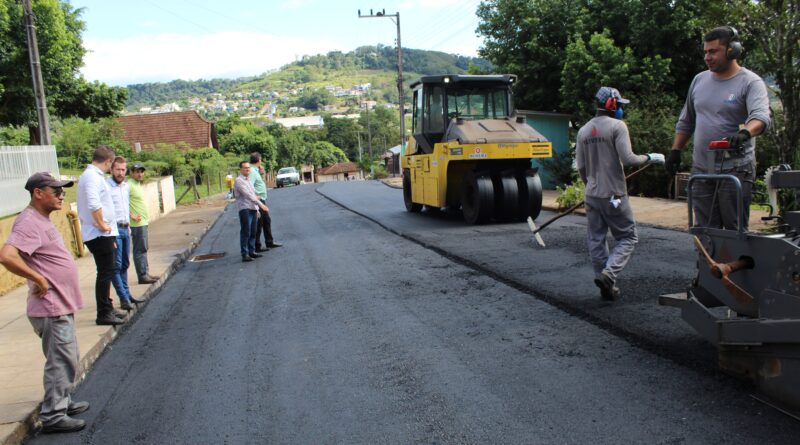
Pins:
x,y
446,334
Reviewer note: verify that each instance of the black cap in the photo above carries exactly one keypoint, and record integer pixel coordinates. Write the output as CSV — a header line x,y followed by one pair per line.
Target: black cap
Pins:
x,y
44,179
137,166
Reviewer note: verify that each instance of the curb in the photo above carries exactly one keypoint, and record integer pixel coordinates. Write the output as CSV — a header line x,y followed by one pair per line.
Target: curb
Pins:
x,y
31,423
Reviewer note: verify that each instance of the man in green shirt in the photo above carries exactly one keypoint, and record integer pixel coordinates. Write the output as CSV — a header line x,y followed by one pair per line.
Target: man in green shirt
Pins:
x,y
139,221
265,222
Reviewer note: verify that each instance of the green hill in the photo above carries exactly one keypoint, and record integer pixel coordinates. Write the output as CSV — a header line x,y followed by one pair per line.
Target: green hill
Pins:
x,y
375,65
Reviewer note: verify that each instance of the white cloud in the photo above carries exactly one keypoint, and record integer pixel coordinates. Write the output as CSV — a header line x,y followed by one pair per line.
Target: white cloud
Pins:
x,y
164,57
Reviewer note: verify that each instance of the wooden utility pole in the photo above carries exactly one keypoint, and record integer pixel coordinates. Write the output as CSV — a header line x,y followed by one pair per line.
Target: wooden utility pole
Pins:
x,y
400,89
36,74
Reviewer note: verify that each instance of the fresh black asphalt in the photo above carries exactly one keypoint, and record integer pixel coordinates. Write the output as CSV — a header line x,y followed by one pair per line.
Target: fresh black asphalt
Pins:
x,y
373,325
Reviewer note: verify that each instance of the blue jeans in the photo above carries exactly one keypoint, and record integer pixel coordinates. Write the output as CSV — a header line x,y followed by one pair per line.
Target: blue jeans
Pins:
x,y
248,221
121,263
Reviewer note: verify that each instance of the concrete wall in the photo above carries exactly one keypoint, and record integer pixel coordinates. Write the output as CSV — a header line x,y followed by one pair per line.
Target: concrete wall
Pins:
x,y
160,196
340,177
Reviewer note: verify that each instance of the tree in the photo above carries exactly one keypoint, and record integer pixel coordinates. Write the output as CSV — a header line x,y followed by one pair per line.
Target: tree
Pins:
x,y
773,28
291,149
590,65
342,133
315,99
530,38
76,138
384,126
323,154
245,138
61,51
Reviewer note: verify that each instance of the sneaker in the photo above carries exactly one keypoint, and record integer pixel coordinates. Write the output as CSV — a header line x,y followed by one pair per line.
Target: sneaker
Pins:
x,y
126,306
607,289
76,408
65,425
246,259
255,255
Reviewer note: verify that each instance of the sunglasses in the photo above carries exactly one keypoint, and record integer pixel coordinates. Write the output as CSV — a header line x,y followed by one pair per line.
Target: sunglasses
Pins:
x,y
57,192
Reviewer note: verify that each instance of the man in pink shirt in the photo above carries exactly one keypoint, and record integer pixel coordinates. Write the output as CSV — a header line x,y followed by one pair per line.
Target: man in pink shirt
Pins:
x,y
36,251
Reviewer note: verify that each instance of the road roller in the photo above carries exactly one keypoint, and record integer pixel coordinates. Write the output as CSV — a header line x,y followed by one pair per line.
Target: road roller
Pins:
x,y
745,298
469,150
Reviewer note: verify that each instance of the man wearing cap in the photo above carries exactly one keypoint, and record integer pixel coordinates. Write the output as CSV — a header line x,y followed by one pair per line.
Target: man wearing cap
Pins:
x,y
603,149
120,195
35,251
99,230
139,221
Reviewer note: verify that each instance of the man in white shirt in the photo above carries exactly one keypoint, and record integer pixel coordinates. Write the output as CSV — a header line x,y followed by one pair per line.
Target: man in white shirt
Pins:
x,y
99,230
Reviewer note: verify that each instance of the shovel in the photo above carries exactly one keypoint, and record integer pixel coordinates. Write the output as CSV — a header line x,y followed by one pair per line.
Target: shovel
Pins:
x,y
535,231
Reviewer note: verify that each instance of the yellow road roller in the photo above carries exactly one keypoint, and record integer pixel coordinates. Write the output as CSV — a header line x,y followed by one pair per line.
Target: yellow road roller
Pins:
x,y
469,150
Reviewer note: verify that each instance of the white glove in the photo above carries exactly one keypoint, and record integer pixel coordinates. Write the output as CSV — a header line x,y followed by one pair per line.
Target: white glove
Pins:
x,y
655,158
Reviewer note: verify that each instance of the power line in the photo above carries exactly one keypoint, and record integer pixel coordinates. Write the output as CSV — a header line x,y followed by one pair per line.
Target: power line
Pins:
x,y
179,16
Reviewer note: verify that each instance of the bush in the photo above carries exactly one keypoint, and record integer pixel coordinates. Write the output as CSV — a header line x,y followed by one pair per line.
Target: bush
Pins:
x,y
570,195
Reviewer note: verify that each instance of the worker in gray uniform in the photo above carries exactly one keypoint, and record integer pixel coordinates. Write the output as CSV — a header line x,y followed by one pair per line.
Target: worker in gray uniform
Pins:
x,y
729,102
603,149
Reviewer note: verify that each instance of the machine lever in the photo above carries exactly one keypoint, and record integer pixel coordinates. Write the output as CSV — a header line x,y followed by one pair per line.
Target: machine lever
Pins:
x,y
722,270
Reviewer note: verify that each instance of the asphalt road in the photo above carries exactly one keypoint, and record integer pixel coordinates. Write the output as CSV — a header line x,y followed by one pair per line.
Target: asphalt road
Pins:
x,y
372,325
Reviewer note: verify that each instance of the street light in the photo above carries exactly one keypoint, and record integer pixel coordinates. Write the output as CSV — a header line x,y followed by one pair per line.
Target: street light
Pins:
x,y
401,92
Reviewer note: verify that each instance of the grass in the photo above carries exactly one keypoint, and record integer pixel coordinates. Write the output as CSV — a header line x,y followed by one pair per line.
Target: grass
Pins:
x,y
205,189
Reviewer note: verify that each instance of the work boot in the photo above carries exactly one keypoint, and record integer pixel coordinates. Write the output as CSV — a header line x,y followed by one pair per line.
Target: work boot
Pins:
x,y
65,425
147,279
608,291
108,320
76,408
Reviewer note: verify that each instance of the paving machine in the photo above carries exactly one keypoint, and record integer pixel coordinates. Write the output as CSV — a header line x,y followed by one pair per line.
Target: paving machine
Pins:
x,y
746,296
470,150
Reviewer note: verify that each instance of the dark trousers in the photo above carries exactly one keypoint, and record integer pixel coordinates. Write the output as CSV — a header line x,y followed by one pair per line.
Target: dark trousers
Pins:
x,y
248,222
715,201
139,247
104,251
264,225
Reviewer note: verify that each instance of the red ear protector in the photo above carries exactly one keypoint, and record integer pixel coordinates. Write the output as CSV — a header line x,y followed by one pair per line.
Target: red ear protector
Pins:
x,y
735,47
611,104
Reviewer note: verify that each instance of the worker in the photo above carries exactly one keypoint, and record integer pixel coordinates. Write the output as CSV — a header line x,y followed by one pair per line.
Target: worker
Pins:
x,y
726,101
603,149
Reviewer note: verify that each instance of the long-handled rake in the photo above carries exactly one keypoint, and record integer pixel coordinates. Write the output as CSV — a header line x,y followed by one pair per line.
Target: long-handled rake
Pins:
x,y
535,231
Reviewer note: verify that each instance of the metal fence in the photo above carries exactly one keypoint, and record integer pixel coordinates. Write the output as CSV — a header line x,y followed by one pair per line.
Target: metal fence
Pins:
x,y
17,164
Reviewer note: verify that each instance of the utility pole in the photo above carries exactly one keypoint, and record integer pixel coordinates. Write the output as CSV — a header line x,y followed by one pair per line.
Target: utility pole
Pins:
x,y
36,74
400,89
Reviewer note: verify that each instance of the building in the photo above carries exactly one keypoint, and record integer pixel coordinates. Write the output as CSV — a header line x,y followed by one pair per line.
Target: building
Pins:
x,y
343,171
554,127
144,131
302,121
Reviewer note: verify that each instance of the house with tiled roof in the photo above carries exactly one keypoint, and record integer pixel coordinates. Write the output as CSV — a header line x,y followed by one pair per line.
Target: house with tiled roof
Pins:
x,y
343,171
144,131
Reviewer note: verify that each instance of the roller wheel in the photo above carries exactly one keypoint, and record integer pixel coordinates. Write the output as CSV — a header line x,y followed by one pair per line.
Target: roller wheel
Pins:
x,y
530,195
410,206
477,198
506,204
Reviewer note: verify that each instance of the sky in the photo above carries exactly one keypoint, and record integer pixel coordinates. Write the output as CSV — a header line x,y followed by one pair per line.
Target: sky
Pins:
x,y
138,41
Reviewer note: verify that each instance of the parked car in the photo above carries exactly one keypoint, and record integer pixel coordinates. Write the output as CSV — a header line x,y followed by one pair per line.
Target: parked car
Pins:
x,y
286,176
